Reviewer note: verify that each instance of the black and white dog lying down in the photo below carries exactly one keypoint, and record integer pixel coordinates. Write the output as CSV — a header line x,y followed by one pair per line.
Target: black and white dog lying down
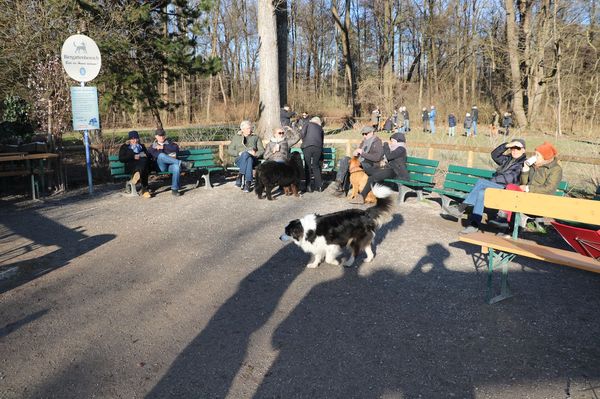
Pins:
x,y
324,236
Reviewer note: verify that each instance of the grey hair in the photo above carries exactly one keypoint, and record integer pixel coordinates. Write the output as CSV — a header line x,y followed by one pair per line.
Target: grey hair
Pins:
x,y
245,124
316,119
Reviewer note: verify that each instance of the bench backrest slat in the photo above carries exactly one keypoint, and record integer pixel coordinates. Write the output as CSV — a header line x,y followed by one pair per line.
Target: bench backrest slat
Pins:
x,y
552,206
422,161
418,177
464,170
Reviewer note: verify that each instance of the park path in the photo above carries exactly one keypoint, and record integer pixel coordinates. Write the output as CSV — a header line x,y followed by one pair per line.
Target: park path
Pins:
x,y
196,297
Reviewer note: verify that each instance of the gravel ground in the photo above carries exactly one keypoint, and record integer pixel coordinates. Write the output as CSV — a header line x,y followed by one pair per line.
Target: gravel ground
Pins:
x,y
109,296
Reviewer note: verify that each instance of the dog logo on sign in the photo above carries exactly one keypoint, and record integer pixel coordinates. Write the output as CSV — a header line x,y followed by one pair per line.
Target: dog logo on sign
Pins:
x,y
80,48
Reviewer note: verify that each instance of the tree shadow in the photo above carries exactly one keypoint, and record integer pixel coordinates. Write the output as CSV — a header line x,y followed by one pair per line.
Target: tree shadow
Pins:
x,y
43,232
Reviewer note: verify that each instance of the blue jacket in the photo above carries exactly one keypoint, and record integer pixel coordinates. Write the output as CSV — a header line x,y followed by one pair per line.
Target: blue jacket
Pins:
x,y
432,115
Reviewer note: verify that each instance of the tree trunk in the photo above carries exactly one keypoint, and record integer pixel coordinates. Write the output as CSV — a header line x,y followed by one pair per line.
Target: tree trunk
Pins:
x,y
268,109
346,51
515,61
281,13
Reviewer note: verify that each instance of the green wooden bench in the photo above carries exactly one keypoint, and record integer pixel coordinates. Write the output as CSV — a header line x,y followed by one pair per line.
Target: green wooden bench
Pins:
x,y
458,183
329,158
205,161
422,174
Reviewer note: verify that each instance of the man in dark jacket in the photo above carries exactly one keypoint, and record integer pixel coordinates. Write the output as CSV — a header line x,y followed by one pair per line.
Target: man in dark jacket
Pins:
x,y
508,172
312,147
285,116
164,151
136,159
395,154
302,121
369,152
506,122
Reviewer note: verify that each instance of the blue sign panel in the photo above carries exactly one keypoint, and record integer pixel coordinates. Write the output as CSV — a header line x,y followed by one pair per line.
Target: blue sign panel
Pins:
x,y
84,103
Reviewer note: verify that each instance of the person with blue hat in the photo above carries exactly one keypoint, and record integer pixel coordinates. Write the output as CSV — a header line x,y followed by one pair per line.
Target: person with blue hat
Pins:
x,y
136,159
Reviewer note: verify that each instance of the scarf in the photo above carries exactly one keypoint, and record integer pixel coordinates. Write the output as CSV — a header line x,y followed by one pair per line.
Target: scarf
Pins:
x,y
395,146
367,146
137,148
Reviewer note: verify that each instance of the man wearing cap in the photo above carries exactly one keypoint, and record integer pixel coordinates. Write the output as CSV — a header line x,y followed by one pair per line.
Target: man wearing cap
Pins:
x,y
302,121
164,151
510,158
369,153
135,157
395,154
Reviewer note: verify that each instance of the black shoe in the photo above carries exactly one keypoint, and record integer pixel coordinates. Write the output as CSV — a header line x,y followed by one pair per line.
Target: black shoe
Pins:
x,y
499,223
175,193
247,188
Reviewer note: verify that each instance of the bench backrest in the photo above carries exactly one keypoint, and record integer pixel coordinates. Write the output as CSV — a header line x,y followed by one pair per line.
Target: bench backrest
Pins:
x,y
551,206
329,157
117,168
422,169
462,178
202,158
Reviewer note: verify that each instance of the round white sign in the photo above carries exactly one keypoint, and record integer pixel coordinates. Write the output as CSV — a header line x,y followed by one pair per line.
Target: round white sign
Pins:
x,y
81,58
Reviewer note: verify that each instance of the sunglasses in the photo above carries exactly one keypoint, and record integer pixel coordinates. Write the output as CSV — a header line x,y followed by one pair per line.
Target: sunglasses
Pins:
x,y
516,148
281,133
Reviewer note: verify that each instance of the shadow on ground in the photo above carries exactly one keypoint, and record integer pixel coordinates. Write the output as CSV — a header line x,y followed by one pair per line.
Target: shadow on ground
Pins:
x,y
426,333
46,233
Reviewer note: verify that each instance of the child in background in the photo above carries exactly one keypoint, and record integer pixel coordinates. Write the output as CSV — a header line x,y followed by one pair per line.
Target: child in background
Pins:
x,y
451,125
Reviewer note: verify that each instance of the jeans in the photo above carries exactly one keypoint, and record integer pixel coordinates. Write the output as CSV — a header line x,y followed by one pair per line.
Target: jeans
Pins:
x,y
171,164
432,126
451,130
406,125
475,197
474,126
246,163
467,131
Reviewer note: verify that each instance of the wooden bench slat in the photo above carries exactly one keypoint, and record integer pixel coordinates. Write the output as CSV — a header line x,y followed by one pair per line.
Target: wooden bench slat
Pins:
x,y
575,209
433,163
533,250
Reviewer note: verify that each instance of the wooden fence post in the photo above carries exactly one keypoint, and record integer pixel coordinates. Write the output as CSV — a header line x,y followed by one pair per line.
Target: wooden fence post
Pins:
x,y
470,159
430,153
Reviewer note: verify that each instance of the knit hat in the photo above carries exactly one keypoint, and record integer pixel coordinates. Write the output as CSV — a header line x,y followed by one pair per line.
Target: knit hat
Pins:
x,y
134,135
399,137
160,132
547,150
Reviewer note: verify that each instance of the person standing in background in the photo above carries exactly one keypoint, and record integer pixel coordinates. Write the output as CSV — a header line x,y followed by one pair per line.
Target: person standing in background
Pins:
x,y
475,117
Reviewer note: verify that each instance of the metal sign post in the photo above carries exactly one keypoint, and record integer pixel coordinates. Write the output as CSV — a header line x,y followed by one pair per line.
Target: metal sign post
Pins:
x,y
82,61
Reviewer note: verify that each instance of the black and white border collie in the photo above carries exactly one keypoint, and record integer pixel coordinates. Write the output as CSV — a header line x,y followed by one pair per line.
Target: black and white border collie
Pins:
x,y
324,236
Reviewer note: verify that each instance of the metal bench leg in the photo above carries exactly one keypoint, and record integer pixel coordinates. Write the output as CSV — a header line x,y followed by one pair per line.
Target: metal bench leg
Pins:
x,y
130,190
419,194
402,191
495,261
206,178
446,202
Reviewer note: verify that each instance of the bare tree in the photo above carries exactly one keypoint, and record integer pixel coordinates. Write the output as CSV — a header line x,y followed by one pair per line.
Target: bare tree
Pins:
x,y
269,69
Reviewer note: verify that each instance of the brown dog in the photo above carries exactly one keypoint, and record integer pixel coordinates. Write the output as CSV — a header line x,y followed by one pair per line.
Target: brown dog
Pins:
x,y
358,179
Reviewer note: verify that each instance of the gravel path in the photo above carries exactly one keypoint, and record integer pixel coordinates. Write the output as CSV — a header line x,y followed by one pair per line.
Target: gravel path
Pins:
x,y
108,296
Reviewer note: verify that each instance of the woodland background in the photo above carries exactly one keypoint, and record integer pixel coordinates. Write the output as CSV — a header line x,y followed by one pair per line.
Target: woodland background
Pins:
x,y
182,63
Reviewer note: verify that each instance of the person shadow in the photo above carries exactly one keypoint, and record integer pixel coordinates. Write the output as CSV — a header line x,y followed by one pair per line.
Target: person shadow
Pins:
x,y
417,335
207,367
42,232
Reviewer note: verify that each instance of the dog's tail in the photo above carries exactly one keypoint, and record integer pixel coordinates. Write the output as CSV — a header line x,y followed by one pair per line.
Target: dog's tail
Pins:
x,y
385,203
